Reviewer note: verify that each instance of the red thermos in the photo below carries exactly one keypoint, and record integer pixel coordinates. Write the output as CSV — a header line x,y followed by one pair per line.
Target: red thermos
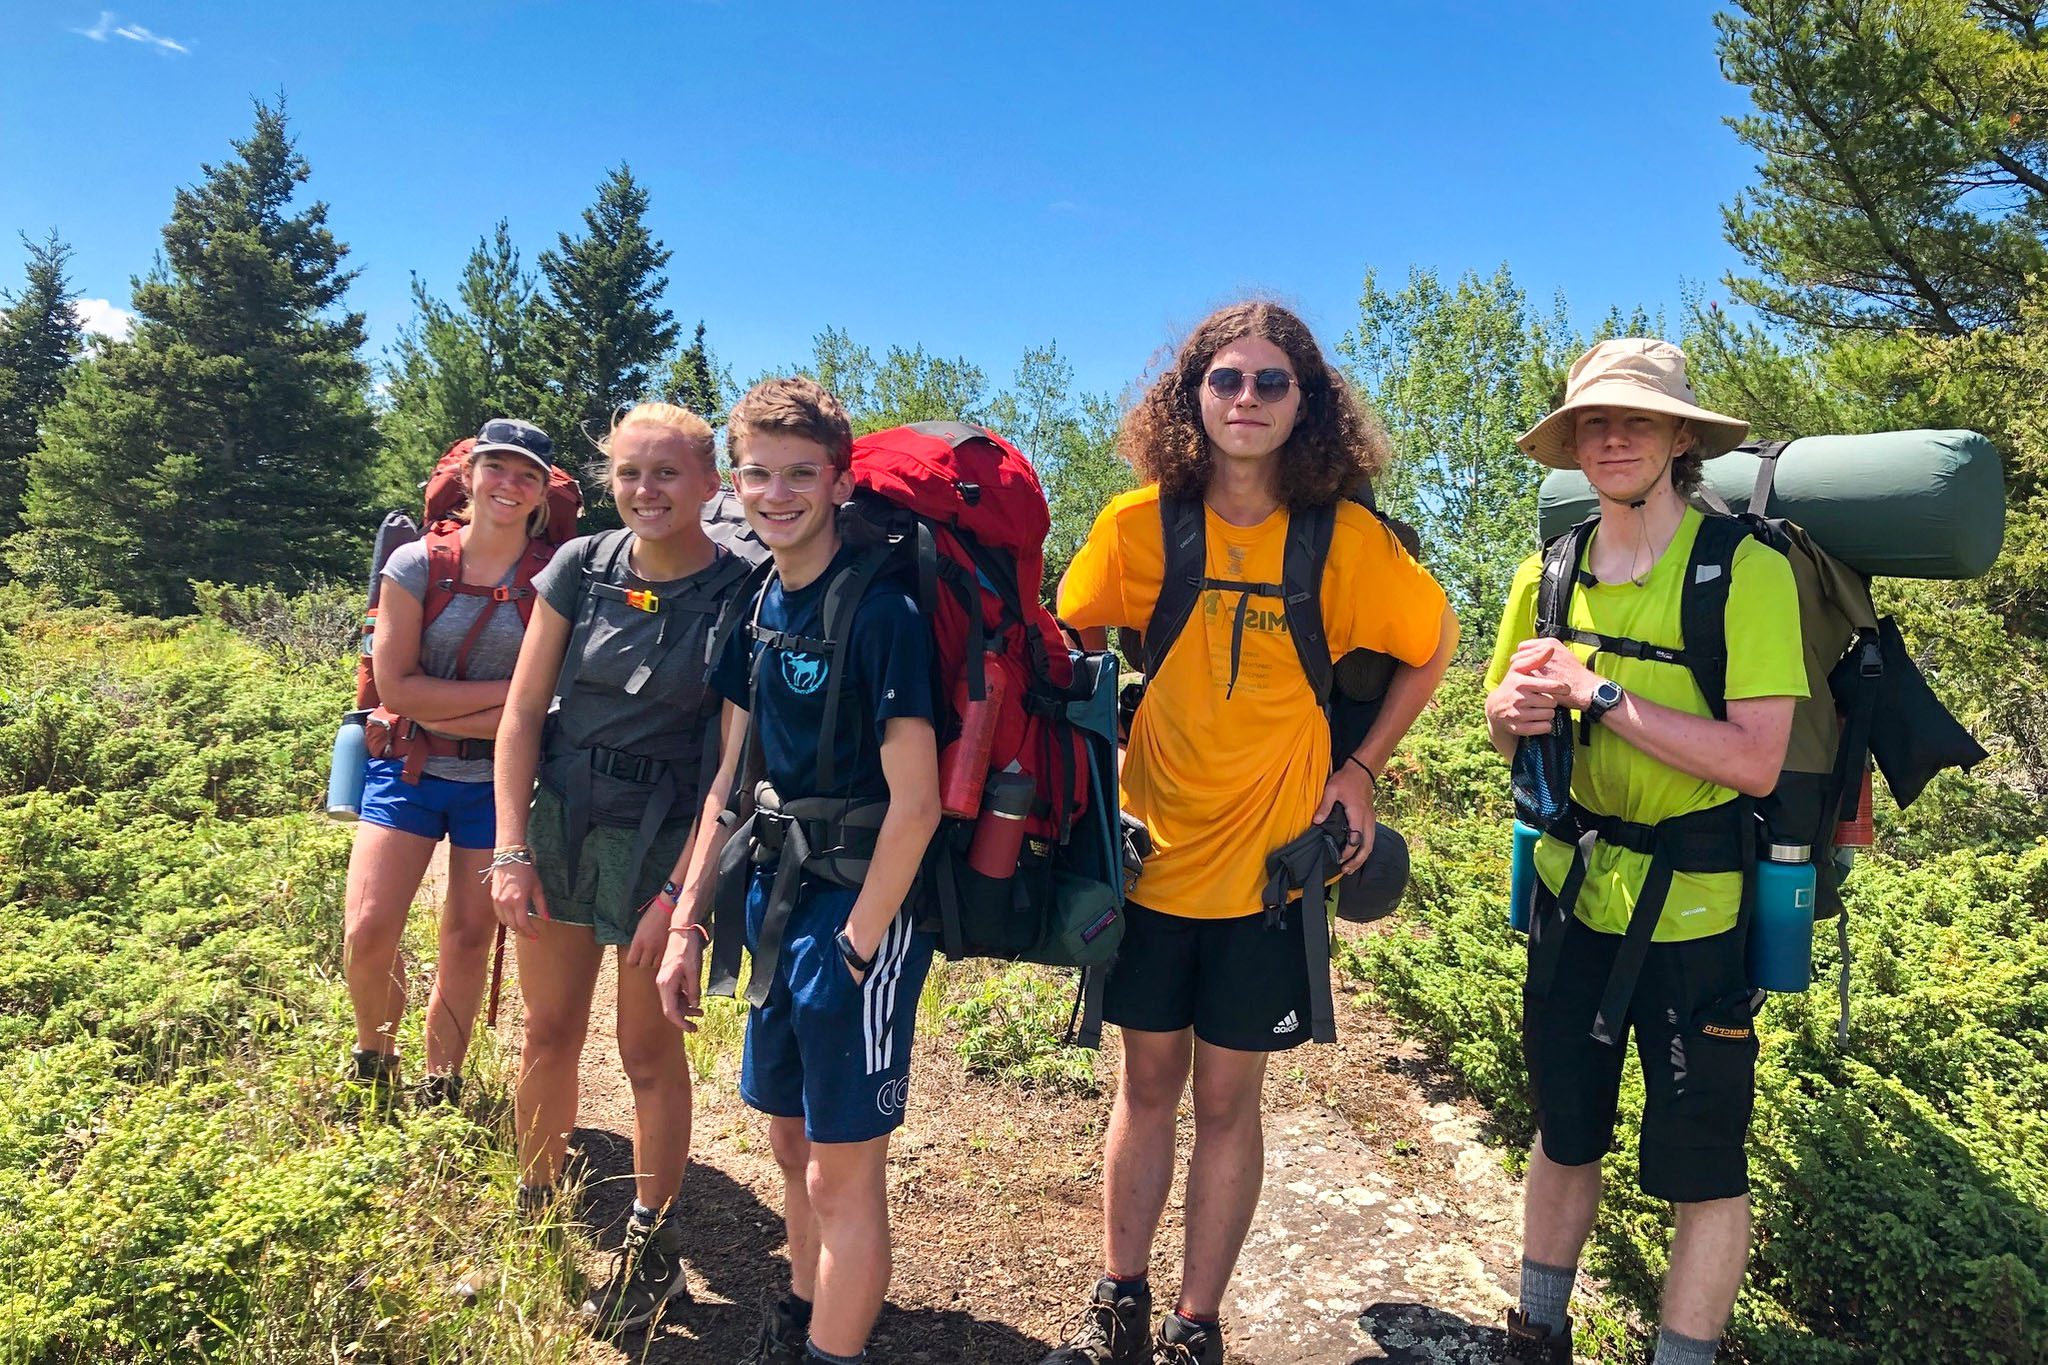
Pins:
x,y
963,764
999,833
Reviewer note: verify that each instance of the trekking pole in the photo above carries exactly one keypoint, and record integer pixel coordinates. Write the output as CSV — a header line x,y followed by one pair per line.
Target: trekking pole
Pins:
x,y
497,977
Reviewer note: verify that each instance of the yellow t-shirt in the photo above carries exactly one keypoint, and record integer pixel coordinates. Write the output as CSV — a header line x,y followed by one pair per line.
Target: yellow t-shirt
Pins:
x,y
1612,776
1221,773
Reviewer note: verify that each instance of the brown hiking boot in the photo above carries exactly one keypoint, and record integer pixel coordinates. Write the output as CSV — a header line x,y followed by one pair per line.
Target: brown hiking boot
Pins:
x,y
1181,1342
1529,1344
1112,1329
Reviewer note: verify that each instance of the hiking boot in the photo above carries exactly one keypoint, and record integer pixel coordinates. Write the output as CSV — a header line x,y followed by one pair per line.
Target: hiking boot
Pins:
x,y
1181,1342
1112,1330
1529,1344
647,1272
435,1090
374,1076
782,1340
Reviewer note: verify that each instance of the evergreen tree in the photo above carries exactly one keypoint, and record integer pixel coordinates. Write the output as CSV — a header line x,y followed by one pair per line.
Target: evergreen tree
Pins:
x,y
1905,160
601,332
454,367
1071,440
698,382
231,439
39,342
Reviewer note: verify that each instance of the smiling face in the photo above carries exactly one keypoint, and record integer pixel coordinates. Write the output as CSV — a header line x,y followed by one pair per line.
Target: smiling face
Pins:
x,y
660,479
789,488
504,489
1244,426
1626,452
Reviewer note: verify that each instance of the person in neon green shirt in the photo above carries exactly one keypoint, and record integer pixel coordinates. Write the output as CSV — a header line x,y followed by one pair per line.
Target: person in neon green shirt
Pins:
x,y
1649,750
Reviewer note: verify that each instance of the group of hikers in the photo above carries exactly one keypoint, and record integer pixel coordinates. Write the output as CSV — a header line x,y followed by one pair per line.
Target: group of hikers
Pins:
x,y
582,756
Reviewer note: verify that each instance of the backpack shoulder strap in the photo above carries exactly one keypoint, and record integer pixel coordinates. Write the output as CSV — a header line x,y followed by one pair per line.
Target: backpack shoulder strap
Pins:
x,y
1560,576
842,595
444,574
1301,582
611,547
1703,606
1187,551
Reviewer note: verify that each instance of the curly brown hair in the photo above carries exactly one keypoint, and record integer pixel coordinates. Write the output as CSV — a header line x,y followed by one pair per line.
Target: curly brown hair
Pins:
x,y
1336,445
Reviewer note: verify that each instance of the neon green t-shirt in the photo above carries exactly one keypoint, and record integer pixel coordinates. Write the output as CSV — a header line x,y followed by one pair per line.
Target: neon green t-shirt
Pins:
x,y
1614,777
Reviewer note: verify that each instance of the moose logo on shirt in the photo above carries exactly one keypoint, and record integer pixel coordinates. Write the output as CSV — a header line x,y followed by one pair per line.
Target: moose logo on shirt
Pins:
x,y
805,673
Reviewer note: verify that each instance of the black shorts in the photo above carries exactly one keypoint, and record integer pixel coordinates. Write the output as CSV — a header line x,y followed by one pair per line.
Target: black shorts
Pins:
x,y
1238,983
1695,1034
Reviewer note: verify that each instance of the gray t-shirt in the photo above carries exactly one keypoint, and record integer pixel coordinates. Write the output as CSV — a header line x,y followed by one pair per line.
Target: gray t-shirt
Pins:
x,y
667,716
490,658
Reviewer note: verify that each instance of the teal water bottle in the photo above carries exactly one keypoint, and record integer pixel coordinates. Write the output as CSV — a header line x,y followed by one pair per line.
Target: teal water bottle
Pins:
x,y
345,776
1781,930
1522,877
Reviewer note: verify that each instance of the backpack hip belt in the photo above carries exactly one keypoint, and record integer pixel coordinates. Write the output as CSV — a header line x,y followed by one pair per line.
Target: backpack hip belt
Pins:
x,y
571,775
831,838
390,735
1718,839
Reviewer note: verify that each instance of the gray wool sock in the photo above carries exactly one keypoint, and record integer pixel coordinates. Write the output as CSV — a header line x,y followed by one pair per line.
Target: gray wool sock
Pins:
x,y
1673,1349
1547,1293
818,1352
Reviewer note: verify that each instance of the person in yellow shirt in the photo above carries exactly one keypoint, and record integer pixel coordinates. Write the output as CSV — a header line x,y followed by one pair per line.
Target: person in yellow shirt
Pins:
x,y
1650,750
1229,759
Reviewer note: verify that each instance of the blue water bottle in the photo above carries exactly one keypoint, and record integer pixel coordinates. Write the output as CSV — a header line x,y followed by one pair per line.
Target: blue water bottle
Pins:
x,y
1522,877
345,777
1781,930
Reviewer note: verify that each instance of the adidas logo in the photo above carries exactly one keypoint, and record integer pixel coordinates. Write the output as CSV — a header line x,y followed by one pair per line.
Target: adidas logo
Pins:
x,y
1287,1025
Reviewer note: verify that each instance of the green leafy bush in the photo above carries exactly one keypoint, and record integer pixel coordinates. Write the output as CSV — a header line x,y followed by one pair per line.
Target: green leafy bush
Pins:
x,y
1013,1025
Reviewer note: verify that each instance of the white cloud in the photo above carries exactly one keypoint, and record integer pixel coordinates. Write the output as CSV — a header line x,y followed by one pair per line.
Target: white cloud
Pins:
x,y
109,25
102,317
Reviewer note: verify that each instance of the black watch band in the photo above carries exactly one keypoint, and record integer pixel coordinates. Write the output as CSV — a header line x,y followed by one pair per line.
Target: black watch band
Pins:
x,y
851,953
1606,697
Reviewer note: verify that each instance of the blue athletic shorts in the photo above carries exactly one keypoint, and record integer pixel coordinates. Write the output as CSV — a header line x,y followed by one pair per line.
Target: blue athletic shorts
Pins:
x,y
465,812
824,1048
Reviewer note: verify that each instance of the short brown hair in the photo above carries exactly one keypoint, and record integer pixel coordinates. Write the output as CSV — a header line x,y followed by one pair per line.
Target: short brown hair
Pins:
x,y
1336,445
795,406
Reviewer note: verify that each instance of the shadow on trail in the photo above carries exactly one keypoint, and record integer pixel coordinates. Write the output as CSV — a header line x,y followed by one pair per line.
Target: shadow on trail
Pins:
x,y
733,1244
1415,1334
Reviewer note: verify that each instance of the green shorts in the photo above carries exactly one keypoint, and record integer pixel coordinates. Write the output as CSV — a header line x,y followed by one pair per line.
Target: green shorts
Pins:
x,y
604,897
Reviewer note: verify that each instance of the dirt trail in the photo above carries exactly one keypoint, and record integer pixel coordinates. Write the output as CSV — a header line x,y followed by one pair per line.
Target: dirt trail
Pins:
x,y
1386,1231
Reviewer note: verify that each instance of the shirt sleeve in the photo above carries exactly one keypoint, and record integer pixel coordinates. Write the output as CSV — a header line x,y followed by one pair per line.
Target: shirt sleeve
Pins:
x,y
407,567
1383,600
891,653
1765,655
730,670
561,581
1091,593
1517,619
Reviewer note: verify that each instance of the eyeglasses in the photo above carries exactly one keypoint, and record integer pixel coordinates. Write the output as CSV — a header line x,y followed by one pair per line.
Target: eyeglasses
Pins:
x,y
1227,382
797,478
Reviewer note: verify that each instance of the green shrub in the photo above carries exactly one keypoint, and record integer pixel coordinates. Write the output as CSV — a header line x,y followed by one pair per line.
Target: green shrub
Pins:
x,y
1012,1028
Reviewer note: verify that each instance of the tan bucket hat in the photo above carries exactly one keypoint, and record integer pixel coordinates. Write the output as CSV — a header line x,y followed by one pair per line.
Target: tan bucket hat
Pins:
x,y
1629,372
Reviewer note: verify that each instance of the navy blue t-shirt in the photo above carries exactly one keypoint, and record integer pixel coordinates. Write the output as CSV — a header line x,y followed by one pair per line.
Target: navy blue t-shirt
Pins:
x,y
887,656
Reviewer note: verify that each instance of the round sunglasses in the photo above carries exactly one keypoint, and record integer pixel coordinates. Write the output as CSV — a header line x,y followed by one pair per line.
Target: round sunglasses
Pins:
x,y
1227,382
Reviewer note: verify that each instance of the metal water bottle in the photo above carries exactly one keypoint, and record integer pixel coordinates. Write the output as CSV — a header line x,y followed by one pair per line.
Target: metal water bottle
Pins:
x,y
345,776
1522,877
999,833
963,764
1781,929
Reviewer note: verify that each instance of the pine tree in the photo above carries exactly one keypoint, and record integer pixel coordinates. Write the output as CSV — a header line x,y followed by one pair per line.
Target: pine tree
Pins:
x,y
454,367
231,440
698,382
602,331
39,343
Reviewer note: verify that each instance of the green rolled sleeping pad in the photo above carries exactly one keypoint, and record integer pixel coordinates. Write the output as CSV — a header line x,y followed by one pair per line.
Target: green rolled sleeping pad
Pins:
x,y
1897,504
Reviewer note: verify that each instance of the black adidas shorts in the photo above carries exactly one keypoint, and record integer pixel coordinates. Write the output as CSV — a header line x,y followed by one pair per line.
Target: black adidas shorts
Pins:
x,y
1237,982
1694,1033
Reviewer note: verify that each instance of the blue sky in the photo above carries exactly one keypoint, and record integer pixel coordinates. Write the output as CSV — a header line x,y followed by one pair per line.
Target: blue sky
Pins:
x,y
977,178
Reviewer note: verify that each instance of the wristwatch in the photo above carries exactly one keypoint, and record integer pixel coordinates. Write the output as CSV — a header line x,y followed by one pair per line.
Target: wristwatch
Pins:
x,y
1606,697
852,954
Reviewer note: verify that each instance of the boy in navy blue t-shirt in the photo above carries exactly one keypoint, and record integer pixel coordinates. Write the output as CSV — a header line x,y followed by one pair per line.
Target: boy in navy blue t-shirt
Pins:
x,y
828,1038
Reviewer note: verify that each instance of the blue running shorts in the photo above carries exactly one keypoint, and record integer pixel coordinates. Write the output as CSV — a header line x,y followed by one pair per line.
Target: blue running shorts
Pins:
x,y
465,812
823,1047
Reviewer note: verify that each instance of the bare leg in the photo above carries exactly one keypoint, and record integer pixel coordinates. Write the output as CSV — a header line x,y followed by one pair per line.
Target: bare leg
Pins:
x,y
651,1049
1225,1173
1559,1204
850,1196
468,929
557,973
793,1156
1709,1252
384,871
1137,1163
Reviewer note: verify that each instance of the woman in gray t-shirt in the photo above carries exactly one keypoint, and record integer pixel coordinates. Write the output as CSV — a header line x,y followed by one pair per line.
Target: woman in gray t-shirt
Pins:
x,y
442,684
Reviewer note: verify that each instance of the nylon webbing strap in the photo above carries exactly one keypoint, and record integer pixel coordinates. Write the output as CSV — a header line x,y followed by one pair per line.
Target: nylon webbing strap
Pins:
x,y
1306,864
729,909
842,596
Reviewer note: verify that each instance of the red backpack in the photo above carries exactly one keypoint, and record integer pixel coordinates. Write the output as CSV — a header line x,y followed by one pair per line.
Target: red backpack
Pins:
x,y
1026,727
388,734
